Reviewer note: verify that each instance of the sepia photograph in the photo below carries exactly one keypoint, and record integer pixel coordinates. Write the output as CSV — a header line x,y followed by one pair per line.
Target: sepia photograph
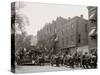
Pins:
x,y
53,37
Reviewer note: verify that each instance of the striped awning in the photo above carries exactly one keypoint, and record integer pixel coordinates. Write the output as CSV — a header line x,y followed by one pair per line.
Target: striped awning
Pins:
x,y
93,32
93,16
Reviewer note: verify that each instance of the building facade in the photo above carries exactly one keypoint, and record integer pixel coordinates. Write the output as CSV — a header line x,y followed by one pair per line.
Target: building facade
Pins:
x,y
92,32
68,32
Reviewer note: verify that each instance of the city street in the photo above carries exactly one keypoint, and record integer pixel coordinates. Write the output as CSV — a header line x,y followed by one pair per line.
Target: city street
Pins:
x,y
32,69
58,41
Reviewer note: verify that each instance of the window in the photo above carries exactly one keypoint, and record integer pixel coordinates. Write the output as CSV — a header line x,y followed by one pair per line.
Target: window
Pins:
x,y
72,26
79,38
66,40
72,40
63,41
85,27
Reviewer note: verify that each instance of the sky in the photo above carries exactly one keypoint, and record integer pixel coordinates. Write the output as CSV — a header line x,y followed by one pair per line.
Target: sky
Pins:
x,y
40,13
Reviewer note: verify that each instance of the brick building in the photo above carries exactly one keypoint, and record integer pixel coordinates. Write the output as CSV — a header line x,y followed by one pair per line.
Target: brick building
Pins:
x,y
69,32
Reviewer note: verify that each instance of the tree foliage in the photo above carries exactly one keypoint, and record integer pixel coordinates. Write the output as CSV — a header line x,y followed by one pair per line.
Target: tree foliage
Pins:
x,y
18,20
22,41
18,23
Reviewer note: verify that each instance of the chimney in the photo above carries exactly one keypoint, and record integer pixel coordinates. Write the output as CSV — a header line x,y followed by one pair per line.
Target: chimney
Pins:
x,y
81,16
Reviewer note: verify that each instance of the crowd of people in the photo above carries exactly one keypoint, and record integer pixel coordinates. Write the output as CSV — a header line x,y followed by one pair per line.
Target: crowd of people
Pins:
x,y
76,60
82,61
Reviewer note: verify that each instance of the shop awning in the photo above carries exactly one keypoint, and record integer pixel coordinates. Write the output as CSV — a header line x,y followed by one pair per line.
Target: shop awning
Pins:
x,y
56,39
93,32
93,17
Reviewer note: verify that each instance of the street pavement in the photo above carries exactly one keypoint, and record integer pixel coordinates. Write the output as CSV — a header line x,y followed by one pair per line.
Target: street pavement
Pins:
x,y
47,68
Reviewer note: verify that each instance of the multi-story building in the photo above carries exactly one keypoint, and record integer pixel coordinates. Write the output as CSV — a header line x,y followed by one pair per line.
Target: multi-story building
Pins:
x,y
74,34
69,32
92,28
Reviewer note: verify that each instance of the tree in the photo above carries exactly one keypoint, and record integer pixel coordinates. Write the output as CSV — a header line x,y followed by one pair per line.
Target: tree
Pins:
x,y
22,41
18,23
18,20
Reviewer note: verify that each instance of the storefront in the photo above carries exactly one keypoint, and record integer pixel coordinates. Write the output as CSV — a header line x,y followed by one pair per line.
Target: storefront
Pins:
x,y
92,29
